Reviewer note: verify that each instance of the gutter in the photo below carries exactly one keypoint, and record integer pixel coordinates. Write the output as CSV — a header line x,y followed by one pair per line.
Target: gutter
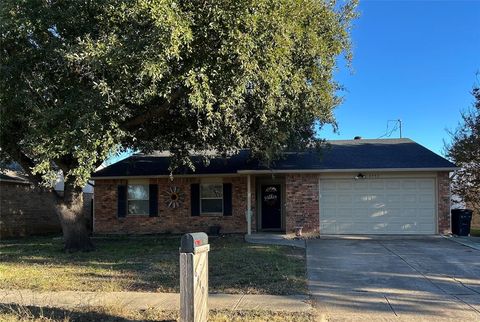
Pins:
x,y
346,170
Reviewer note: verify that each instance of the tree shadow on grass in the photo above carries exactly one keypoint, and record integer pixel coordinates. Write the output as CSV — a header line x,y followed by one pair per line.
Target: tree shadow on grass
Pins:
x,y
51,314
151,264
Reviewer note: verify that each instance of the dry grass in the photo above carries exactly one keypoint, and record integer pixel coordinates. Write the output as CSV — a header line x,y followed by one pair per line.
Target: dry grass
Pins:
x,y
119,314
149,264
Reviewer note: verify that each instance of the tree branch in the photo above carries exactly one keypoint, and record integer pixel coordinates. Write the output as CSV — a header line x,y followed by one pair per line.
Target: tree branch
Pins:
x,y
140,119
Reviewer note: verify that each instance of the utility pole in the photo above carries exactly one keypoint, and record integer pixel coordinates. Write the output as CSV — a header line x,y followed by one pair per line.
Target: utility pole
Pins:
x,y
400,123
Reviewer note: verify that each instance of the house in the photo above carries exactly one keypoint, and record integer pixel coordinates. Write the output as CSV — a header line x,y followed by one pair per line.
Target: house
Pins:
x,y
20,218
361,186
25,210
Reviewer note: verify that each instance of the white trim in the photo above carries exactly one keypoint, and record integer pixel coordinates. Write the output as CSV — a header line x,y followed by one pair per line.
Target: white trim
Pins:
x,y
345,170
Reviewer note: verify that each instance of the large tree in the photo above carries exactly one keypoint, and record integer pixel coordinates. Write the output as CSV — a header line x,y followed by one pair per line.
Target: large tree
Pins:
x,y
82,79
464,151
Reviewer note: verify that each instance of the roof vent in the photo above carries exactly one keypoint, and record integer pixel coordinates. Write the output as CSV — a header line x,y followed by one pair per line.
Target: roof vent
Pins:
x,y
357,138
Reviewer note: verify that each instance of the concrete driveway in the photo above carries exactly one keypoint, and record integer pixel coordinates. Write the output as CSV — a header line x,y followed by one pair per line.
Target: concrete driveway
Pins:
x,y
394,278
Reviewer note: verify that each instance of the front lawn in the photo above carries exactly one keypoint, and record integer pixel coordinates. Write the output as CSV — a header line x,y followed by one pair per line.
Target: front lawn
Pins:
x,y
149,263
14,313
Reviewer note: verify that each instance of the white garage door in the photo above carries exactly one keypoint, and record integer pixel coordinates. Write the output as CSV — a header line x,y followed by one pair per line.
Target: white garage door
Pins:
x,y
377,206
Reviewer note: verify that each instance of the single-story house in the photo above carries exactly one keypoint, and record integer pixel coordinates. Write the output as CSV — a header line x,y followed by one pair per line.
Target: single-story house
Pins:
x,y
361,186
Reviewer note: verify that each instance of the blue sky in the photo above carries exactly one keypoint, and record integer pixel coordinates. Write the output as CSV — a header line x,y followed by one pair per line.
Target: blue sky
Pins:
x,y
413,60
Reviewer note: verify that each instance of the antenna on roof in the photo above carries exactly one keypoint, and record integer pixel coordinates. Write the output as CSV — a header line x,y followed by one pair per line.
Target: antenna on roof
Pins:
x,y
397,126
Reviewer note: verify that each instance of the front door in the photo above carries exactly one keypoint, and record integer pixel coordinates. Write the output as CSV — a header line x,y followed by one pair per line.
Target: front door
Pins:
x,y
271,206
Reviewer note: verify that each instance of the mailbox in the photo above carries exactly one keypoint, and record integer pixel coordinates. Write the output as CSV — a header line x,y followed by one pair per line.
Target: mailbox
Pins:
x,y
190,242
194,250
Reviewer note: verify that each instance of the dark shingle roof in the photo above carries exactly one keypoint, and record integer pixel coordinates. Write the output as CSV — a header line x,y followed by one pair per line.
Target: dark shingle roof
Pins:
x,y
13,176
339,155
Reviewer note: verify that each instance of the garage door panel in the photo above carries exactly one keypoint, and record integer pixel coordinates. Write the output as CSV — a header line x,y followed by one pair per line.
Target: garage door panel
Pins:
x,y
377,214
426,198
344,199
344,185
377,185
427,185
360,184
409,199
393,185
329,185
409,184
329,198
377,206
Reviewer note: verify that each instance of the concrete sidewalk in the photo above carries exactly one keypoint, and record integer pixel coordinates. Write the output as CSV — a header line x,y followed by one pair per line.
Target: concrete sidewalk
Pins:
x,y
144,300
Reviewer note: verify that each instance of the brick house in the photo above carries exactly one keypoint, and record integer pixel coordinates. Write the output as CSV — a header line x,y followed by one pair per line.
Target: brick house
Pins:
x,y
387,186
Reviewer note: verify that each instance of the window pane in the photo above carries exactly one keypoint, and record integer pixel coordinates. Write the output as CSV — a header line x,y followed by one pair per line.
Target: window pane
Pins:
x,y
138,207
138,192
212,206
211,190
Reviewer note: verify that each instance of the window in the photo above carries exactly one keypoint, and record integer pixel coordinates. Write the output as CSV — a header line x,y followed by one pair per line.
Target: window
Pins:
x,y
138,199
211,198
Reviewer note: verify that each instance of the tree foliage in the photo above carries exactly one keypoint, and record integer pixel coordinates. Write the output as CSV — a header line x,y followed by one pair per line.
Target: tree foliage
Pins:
x,y
464,151
82,79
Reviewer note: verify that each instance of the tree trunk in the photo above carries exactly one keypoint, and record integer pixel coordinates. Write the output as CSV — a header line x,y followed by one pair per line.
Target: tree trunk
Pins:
x,y
74,226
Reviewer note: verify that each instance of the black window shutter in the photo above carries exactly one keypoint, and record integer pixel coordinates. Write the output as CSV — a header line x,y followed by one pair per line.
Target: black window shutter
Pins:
x,y
195,199
227,199
153,200
121,201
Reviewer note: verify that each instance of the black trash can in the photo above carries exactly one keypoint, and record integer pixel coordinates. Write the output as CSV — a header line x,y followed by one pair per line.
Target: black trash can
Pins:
x,y
461,220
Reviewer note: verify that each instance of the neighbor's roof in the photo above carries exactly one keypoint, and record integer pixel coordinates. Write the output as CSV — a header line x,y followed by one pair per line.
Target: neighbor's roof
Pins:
x,y
338,156
13,176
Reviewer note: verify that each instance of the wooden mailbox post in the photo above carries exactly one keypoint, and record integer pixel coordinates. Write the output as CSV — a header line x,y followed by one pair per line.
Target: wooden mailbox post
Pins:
x,y
194,250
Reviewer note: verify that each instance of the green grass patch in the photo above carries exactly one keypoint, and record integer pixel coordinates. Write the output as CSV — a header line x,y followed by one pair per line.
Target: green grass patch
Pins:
x,y
475,232
151,264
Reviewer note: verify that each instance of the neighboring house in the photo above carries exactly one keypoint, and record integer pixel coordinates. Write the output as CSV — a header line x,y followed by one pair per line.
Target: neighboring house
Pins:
x,y
26,211
387,186
23,209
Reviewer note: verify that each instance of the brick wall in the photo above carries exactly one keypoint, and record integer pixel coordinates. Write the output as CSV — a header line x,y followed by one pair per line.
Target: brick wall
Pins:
x,y
169,220
25,211
443,182
302,203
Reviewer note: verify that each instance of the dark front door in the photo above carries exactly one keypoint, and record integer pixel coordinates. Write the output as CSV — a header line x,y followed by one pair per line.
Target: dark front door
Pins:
x,y
271,206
